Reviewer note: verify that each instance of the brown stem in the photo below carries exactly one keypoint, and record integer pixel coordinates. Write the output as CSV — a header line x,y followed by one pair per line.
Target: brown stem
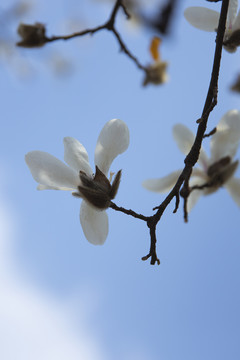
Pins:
x,y
128,212
110,26
192,157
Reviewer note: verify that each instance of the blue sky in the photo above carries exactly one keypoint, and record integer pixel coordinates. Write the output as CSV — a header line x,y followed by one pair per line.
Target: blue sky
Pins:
x,y
59,292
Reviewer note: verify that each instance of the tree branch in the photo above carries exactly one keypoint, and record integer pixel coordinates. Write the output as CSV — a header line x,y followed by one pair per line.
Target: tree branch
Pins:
x,y
34,35
192,158
128,212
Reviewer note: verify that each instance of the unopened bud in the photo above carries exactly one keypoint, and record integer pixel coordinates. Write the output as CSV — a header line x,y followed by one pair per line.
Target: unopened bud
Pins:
x,y
233,41
236,86
229,171
220,172
156,73
218,166
32,35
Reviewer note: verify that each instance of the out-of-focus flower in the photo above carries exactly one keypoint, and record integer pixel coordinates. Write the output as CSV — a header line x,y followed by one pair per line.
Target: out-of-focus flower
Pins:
x,y
95,190
9,55
135,9
157,72
236,85
32,35
206,19
61,66
212,173
161,20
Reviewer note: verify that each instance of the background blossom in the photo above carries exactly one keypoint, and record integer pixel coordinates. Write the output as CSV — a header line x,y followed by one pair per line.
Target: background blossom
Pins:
x,y
213,172
206,19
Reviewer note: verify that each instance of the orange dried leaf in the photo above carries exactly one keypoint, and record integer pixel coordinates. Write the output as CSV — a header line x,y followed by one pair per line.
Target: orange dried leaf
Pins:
x,y
154,48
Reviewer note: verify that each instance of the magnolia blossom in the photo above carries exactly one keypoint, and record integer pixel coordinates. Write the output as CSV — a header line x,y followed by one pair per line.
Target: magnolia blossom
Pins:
x,y
206,19
213,172
77,176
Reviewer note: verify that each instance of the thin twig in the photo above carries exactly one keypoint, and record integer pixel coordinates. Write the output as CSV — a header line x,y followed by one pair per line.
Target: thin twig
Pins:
x,y
109,25
128,212
127,52
212,132
210,102
193,155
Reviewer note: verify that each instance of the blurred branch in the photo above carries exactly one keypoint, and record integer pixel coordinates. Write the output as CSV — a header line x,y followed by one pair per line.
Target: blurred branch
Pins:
x,y
182,185
34,35
162,18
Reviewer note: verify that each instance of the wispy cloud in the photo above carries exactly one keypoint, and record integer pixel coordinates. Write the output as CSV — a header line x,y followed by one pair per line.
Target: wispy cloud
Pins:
x,y
34,326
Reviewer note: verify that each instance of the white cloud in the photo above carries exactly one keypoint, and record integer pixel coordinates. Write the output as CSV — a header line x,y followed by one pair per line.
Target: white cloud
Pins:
x,y
34,326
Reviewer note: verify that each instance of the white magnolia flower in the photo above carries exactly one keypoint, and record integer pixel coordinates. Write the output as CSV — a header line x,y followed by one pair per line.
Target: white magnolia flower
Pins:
x,y
78,177
213,172
206,19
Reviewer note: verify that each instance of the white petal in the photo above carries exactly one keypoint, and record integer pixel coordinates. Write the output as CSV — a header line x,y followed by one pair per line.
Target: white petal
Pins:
x,y
232,12
51,172
193,199
76,155
198,172
45,187
202,18
184,139
233,187
163,184
236,24
166,183
112,141
231,120
225,141
195,194
94,224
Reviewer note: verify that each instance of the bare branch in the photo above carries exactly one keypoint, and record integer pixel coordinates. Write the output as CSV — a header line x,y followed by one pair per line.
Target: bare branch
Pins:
x,y
212,132
39,39
192,158
129,212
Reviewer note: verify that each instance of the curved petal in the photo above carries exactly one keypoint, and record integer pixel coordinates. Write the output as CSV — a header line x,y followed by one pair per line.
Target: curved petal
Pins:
x,y
195,194
45,187
185,139
225,141
163,184
230,120
202,18
236,24
51,172
233,187
112,141
94,224
232,12
76,155
198,172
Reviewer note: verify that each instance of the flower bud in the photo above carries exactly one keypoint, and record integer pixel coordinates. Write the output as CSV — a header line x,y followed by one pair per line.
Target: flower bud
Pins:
x,y
233,41
236,86
156,73
32,35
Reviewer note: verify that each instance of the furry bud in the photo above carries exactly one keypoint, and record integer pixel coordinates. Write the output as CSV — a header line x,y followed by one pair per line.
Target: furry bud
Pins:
x,y
32,35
